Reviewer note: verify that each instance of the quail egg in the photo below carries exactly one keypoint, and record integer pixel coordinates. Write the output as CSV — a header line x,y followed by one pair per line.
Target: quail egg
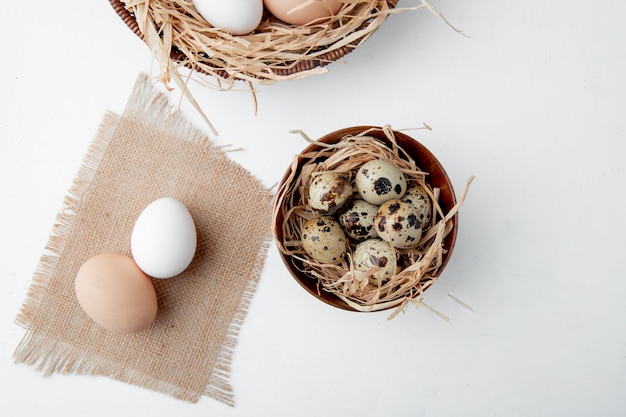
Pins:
x,y
397,222
357,220
379,180
422,202
324,240
376,252
328,192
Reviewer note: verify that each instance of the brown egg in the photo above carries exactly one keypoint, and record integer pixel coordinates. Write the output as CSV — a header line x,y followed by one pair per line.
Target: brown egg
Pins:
x,y
295,12
116,294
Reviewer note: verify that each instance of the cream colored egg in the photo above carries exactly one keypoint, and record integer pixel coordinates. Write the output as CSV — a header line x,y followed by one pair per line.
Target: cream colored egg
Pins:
x,y
302,12
324,240
397,223
380,180
329,191
376,253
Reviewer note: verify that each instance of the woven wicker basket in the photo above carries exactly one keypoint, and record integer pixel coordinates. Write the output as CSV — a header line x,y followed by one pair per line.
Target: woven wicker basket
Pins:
x,y
275,51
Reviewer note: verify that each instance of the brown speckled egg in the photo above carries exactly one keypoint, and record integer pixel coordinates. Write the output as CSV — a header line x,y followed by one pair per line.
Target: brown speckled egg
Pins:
x,y
324,240
328,192
397,222
376,252
422,202
357,220
379,180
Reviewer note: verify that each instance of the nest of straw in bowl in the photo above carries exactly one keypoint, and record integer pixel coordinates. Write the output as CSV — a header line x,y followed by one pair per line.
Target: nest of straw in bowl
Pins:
x,y
342,285
178,35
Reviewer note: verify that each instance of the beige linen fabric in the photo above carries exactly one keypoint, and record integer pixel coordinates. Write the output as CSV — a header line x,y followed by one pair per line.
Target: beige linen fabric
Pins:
x,y
148,152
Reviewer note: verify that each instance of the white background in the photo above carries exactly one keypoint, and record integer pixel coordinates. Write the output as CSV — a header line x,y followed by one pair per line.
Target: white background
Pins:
x,y
532,102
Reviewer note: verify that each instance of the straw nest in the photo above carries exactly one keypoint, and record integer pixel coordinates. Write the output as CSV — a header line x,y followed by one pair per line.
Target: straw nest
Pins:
x,y
423,264
178,35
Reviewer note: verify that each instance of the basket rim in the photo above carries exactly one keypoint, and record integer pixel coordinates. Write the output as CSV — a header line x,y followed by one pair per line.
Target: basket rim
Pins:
x,y
302,66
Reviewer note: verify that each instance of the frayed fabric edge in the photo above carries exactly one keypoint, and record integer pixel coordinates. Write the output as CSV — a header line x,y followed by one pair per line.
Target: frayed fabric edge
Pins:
x,y
65,220
146,96
218,385
42,353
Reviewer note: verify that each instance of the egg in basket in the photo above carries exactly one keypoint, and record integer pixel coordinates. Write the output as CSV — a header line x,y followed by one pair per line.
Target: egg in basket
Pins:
x,y
259,41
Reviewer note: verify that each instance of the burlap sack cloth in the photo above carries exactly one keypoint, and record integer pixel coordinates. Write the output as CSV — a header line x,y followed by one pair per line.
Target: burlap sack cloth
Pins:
x,y
149,152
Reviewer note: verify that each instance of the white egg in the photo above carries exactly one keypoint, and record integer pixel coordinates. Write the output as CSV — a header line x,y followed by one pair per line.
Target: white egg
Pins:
x,y
237,17
163,240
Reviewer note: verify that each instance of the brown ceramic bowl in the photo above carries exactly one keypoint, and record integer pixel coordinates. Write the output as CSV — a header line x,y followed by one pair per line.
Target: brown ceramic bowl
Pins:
x,y
424,159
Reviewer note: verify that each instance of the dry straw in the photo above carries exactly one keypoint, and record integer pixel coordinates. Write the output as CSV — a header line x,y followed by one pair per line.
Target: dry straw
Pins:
x,y
180,37
423,263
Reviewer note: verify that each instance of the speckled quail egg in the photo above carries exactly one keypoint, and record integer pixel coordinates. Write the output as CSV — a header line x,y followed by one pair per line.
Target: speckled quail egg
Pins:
x,y
357,220
324,240
422,202
329,191
397,222
376,252
379,180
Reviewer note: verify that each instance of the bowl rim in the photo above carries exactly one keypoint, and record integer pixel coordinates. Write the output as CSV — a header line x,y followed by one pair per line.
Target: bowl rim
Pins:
x,y
310,284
